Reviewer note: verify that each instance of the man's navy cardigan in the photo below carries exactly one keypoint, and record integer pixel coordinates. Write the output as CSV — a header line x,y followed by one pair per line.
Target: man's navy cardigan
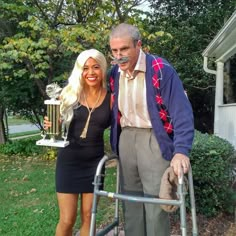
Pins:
x,y
174,130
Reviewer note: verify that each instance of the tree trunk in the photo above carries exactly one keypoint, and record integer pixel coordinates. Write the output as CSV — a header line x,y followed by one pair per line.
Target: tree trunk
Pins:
x,y
2,126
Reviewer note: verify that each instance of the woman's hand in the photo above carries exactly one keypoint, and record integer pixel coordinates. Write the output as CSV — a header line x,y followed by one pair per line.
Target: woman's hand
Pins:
x,y
46,123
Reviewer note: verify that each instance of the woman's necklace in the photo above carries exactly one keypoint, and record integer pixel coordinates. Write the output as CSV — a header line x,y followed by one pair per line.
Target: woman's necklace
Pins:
x,y
84,133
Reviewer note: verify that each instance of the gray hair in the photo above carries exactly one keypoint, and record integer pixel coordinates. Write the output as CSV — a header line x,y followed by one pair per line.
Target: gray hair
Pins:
x,y
126,30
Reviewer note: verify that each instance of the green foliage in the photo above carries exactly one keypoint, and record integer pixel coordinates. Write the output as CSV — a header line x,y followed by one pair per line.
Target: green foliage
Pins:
x,y
24,147
40,41
50,154
192,25
211,160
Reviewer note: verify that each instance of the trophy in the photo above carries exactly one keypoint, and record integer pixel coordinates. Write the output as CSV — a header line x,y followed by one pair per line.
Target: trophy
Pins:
x,y
54,136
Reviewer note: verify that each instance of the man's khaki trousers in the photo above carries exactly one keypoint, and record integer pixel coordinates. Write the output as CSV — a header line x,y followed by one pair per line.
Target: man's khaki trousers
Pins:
x,y
142,167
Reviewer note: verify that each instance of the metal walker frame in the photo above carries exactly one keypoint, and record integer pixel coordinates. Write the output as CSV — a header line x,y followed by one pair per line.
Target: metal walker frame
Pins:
x,y
117,196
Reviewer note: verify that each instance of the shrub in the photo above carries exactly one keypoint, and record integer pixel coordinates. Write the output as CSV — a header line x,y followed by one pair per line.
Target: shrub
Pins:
x,y
211,160
50,154
25,147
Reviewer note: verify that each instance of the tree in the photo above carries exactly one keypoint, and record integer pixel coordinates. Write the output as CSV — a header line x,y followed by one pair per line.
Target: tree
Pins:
x,y
42,41
7,29
188,27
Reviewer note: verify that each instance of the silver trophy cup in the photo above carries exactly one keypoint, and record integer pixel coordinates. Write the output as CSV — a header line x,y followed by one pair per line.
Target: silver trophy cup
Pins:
x,y
56,135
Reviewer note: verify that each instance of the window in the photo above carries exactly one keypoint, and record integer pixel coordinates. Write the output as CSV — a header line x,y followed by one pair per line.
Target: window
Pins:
x,y
230,81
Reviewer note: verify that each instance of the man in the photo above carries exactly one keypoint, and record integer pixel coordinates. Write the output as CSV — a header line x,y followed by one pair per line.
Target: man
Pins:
x,y
152,127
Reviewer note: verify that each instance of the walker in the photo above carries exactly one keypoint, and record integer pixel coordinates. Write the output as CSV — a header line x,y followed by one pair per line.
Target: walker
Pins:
x,y
117,196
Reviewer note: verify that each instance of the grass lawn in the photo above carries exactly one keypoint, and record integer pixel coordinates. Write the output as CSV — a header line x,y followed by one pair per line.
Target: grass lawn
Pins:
x,y
28,200
16,135
28,204
13,120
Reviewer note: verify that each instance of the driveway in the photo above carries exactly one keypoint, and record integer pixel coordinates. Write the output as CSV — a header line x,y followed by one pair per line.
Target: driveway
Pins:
x,y
22,128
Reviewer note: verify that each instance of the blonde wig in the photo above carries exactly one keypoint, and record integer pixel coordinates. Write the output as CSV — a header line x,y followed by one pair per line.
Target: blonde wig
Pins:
x,y
71,93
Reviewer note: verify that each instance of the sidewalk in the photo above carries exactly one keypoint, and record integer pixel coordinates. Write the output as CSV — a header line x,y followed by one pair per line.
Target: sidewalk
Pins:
x,y
25,136
22,128
111,233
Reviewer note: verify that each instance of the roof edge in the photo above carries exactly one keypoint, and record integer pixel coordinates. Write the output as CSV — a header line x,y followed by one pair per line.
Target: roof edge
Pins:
x,y
220,35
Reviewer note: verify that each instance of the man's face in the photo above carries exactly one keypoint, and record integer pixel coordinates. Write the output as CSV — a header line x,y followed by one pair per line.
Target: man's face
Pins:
x,y
125,47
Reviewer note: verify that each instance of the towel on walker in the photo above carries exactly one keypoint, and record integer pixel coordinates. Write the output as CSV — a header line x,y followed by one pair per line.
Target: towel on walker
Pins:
x,y
168,189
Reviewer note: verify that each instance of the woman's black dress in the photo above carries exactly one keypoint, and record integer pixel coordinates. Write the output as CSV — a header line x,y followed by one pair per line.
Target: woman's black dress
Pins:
x,y
77,163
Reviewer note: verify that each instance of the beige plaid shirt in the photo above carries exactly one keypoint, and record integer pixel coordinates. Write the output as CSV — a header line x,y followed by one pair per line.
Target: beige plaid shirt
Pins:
x,y
132,96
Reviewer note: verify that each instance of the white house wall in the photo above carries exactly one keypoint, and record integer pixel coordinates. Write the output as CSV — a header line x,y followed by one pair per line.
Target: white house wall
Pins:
x,y
221,48
226,123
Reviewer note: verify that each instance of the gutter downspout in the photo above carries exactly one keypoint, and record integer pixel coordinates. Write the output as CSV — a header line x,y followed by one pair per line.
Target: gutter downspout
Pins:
x,y
219,96
206,68
218,90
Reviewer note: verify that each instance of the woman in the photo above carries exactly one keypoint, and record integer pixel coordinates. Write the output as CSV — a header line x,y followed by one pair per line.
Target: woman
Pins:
x,y
85,109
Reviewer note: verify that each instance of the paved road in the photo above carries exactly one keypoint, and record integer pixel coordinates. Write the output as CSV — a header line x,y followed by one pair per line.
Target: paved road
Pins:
x,y
22,128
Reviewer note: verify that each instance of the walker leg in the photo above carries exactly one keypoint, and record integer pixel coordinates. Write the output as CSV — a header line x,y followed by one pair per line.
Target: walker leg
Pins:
x,y
183,224
192,201
116,232
97,182
94,210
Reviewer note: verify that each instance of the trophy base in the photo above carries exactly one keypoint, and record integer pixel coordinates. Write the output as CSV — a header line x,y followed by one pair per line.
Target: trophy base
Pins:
x,y
52,143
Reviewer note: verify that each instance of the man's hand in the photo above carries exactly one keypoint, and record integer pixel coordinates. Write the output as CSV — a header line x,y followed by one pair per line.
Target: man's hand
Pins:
x,y
178,162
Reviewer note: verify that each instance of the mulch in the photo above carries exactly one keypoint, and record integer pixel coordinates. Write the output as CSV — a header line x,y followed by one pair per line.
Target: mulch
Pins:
x,y
221,225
